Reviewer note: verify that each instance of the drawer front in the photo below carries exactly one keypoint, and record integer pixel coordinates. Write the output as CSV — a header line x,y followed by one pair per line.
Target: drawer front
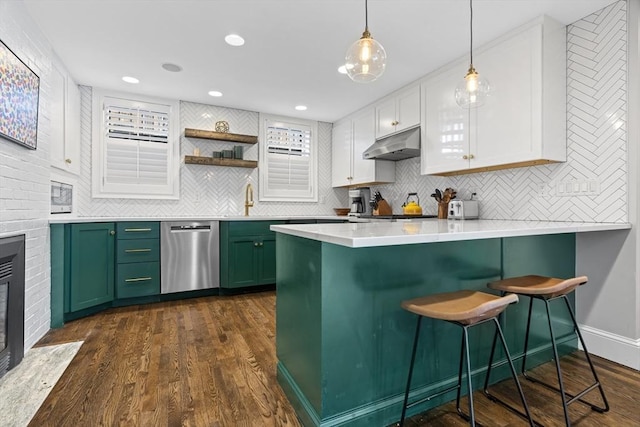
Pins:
x,y
138,250
251,228
137,280
138,230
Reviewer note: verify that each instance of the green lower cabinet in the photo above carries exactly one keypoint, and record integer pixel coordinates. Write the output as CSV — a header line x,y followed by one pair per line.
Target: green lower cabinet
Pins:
x,y
91,265
247,254
138,279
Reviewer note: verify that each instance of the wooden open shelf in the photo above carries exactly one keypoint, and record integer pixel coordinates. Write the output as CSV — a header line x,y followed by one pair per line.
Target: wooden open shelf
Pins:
x,y
220,136
210,161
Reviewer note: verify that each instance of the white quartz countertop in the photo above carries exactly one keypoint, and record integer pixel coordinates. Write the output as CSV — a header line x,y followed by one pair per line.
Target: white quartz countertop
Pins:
x,y
77,220
360,235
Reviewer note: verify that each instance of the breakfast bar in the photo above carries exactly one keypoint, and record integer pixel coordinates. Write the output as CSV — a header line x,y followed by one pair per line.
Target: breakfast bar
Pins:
x,y
343,342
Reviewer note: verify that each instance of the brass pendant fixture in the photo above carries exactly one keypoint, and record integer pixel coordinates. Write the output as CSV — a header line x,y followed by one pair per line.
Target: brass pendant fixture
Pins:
x,y
473,90
366,58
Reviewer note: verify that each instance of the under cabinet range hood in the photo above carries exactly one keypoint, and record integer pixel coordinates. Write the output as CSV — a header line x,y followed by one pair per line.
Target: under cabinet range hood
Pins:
x,y
400,146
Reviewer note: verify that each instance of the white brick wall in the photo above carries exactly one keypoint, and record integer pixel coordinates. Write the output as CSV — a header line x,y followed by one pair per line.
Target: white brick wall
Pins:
x,y
24,174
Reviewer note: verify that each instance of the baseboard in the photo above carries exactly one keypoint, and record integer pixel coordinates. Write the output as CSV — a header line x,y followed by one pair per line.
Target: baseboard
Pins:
x,y
619,349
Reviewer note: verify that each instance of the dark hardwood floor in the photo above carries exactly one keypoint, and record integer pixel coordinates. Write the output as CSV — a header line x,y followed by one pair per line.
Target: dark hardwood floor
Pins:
x,y
211,362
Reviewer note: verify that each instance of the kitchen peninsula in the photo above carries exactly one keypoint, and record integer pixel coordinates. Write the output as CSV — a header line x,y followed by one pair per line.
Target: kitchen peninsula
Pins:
x,y
343,342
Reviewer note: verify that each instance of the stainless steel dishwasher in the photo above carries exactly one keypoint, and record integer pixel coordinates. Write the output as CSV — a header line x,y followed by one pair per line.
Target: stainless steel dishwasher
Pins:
x,y
190,256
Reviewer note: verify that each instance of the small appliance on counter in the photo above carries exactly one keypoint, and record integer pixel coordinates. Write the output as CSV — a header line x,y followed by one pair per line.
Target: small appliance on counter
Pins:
x,y
463,209
411,206
359,201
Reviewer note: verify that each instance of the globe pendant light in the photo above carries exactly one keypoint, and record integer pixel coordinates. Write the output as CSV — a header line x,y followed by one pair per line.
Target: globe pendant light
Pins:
x,y
365,60
473,90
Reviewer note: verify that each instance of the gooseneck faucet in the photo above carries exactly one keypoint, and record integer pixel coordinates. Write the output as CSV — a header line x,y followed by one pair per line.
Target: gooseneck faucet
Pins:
x,y
248,199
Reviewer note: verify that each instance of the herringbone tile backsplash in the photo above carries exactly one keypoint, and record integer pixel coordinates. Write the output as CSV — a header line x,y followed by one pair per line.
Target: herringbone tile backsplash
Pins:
x,y
596,144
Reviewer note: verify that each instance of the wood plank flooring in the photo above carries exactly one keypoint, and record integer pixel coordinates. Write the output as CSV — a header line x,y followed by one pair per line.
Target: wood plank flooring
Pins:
x,y
211,362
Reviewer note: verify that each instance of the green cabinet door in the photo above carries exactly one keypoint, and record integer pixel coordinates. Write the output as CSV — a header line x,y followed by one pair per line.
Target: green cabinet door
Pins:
x,y
242,263
92,265
267,261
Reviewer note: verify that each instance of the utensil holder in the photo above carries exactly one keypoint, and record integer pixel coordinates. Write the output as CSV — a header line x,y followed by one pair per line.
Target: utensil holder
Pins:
x,y
443,210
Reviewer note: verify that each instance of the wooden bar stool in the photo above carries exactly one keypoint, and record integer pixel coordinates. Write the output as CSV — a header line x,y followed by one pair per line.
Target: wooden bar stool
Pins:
x,y
548,289
466,309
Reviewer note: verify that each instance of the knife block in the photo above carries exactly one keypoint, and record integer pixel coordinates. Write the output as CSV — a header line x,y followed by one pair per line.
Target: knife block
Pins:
x,y
383,208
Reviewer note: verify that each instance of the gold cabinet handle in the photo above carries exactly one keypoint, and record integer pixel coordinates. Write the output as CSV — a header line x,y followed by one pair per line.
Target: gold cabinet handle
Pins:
x,y
471,156
67,161
465,157
128,230
395,123
137,250
138,279
255,244
112,232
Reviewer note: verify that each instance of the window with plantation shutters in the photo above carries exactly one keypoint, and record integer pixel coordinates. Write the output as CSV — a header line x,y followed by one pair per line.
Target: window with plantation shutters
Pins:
x,y
135,153
288,159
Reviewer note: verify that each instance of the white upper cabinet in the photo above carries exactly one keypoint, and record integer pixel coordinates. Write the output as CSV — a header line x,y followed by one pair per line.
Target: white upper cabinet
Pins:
x,y
351,136
65,122
398,112
523,121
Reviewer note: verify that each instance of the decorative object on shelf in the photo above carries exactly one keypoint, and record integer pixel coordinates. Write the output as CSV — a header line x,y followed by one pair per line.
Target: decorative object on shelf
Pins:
x,y
196,151
366,58
20,88
238,151
222,126
220,136
217,154
473,90
227,154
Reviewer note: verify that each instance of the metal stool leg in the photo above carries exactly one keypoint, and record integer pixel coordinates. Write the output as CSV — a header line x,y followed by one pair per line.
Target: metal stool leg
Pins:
x,y
557,360
462,414
593,370
413,359
515,375
526,340
471,417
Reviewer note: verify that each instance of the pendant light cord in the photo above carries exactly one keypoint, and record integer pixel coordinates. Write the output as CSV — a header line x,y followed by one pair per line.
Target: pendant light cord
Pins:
x,y
471,31
366,14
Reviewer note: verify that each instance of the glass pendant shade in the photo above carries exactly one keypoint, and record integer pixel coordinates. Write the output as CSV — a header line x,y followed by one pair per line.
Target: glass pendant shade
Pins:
x,y
473,90
365,60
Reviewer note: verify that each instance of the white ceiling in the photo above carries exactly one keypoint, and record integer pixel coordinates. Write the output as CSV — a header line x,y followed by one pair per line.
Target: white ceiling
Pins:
x,y
293,47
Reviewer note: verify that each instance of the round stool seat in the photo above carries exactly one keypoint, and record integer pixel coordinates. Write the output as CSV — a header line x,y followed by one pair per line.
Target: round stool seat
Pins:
x,y
465,307
545,287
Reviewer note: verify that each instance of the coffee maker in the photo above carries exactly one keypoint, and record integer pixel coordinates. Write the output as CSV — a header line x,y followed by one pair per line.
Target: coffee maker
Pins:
x,y
359,201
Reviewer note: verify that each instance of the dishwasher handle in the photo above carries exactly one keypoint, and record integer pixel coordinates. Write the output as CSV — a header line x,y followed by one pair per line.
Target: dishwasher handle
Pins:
x,y
190,228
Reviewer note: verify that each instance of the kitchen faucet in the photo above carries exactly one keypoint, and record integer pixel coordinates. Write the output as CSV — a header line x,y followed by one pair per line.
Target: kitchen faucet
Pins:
x,y
248,199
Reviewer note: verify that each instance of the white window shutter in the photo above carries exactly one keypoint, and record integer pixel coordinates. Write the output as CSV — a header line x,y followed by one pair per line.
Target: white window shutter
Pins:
x,y
137,154
288,160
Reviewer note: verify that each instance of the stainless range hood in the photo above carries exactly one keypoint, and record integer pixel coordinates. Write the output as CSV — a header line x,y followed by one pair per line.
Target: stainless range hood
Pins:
x,y
401,146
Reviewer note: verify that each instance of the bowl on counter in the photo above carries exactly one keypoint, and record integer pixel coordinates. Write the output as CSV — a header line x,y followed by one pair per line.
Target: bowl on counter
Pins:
x,y
341,211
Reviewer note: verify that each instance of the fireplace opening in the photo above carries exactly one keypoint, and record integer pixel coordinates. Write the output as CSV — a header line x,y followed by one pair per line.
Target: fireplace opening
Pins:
x,y
11,302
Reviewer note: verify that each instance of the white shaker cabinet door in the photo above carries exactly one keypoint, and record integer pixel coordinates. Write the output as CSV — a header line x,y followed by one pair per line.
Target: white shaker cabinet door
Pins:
x,y
56,118
72,127
408,109
385,119
363,136
341,154
445,130
507,127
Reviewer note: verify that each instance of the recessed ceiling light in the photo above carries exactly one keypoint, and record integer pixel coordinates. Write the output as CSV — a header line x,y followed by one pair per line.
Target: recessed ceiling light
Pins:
x,y
130,79
234,40
215,93
301,107
342,69
174,68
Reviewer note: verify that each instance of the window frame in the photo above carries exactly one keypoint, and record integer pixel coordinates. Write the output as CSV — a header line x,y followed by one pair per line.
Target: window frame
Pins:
x,y
285,195
100,189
